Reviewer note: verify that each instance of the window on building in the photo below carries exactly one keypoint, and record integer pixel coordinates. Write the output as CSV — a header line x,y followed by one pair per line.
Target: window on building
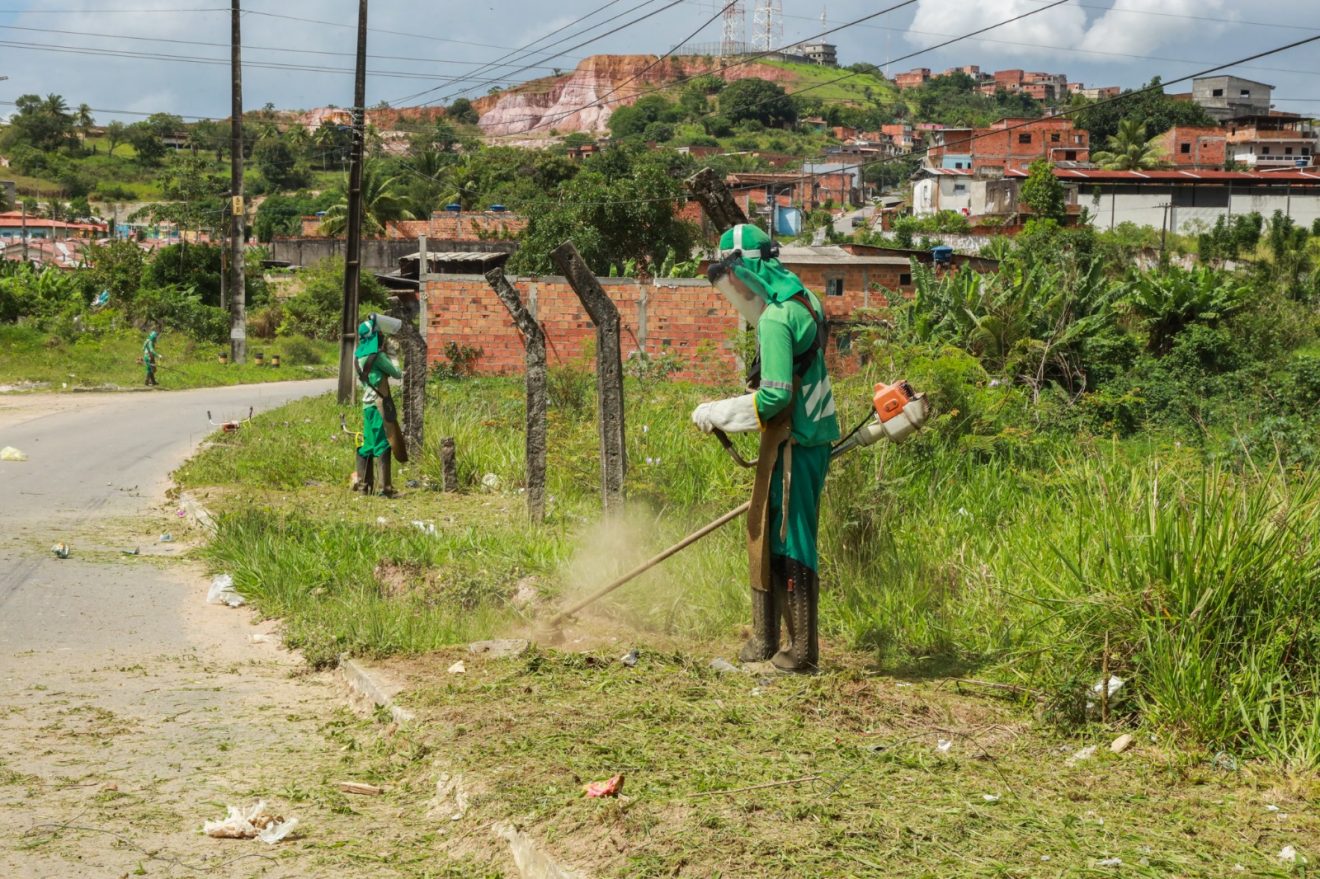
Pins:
x,y
1218,93
1077,138
1245,93
1185,148
1024,138
960,189
1070,155
905,280
834,286
1054,137
1287,151
1306,151
1264,151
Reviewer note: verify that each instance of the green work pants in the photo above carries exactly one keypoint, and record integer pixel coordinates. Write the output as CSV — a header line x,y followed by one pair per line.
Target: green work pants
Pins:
x,y
810,463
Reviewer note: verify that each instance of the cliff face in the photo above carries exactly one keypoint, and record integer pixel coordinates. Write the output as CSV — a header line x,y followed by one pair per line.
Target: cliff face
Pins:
x,y
585,99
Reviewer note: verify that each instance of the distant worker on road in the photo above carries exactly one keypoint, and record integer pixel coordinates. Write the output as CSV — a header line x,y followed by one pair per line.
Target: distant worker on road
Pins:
x,y
381,433
149,358
792,405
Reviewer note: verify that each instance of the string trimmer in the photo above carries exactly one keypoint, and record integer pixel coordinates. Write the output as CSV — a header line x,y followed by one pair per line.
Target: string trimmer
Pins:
x,y
897,412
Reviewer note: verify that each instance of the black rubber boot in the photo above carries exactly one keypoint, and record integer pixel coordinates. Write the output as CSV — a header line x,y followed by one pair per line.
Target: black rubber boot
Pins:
x,y
803,591
363,472
386,485
764,642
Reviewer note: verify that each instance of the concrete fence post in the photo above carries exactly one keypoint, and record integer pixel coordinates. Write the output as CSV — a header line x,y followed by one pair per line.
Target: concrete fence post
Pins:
x,y
537,389
609,371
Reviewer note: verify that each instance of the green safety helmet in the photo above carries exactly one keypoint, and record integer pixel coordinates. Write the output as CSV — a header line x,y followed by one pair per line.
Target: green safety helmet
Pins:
x,y
371,330
749,272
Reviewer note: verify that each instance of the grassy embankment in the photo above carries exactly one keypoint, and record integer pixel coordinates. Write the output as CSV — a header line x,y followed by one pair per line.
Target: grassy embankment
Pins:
x,y
1016,557
42,361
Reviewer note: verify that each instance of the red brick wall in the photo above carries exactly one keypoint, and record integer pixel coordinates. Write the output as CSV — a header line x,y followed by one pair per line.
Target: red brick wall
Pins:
x,y
686,317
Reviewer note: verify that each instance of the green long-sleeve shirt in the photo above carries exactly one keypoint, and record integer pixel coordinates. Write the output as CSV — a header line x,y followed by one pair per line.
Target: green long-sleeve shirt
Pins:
x,y
785,330
382,366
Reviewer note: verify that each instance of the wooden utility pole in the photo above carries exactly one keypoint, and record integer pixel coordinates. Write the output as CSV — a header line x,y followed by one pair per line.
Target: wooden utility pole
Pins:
x,y
353,250
609,371
237,286
537,389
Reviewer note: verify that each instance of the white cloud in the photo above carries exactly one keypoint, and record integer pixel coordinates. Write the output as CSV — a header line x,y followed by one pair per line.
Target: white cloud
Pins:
x,y
1121,29
1126,27
1062,26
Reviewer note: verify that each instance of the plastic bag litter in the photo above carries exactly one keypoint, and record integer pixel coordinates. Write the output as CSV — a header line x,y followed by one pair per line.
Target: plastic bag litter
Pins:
x,y
458,668
608,788
9,453
222,592
256,823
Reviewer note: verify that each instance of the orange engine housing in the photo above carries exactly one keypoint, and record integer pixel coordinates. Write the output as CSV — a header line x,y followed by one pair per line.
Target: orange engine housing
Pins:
x,y
890,399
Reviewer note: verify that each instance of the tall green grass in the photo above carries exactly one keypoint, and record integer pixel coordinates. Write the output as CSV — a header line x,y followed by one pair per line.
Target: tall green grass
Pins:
x,y
978,546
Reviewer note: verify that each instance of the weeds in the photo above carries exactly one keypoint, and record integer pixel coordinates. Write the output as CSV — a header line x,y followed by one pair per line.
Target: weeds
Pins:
x,y
983,545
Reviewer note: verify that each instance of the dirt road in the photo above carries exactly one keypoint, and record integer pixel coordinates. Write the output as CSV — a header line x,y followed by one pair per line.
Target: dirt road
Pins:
x,y
131,712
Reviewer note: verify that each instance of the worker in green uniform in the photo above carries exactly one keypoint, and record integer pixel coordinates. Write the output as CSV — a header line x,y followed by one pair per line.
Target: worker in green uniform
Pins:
x,y
375,367
149,357
792,405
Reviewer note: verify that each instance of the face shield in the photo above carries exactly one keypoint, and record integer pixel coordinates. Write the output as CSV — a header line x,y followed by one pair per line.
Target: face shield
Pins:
x,y
731,277
387,325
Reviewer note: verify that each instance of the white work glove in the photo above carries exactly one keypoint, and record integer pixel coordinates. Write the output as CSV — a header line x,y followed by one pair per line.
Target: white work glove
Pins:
x,y
734,415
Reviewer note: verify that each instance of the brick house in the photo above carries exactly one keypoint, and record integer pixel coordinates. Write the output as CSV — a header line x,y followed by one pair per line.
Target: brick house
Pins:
x,y
1190,147
1010,144
1272,140
914,78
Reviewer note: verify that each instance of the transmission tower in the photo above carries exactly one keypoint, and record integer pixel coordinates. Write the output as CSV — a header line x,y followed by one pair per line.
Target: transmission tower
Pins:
x,y
735,28
768,23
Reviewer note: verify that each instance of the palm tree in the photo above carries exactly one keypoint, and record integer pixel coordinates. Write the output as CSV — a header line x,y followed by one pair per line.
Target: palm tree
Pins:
x,y
83,119
381,203
1129,149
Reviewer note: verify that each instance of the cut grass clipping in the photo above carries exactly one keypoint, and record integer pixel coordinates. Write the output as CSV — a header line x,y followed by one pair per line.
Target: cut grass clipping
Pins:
x,y
1017,559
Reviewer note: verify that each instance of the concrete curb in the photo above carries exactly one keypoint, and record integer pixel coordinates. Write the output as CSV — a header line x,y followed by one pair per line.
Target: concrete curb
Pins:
x,y
360,681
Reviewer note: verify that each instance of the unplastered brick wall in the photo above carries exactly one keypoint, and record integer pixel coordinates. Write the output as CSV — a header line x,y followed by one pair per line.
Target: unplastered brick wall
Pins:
x,y
686,318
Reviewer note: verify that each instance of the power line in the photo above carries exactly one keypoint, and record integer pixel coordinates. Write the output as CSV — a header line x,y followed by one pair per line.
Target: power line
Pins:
x,y
188,59
102,35
519,51
373,30
611,32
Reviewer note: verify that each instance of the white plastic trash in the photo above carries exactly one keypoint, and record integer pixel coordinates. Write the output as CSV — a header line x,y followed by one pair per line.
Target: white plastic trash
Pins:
x,y
222,592
9,453
256,823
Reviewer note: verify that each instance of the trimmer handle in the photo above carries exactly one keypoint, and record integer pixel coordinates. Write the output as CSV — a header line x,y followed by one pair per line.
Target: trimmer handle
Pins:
x,y
731,449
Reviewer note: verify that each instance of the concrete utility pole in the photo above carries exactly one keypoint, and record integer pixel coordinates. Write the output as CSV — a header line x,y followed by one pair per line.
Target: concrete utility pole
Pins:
x,y
609,371
709,191
237,285
353,250
537,390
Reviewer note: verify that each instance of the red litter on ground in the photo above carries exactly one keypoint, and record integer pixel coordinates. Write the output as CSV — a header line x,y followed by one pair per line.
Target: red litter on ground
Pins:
x,y
609,788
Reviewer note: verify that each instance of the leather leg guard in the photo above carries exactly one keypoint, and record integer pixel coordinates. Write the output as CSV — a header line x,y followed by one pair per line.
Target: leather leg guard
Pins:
x,y
800,600
766,604
386,486
362,482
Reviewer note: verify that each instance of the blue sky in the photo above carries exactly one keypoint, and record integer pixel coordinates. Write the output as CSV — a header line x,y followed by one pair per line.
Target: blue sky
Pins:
x,y
1099,42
